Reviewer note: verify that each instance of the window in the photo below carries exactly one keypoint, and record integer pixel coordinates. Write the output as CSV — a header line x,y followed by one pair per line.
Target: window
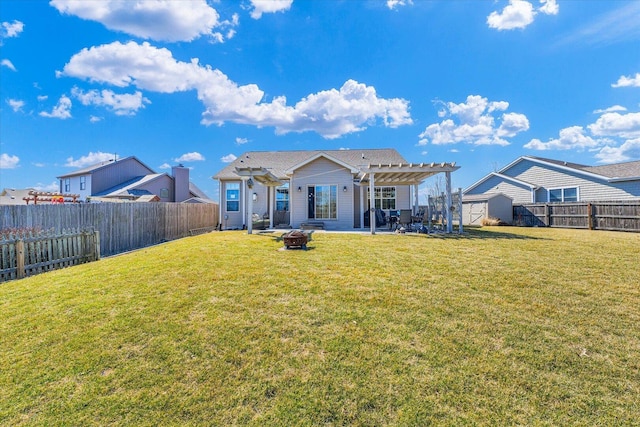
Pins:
x,y
563,194
233,196
83,183
323,202
282,198
385,197
164,193
67,185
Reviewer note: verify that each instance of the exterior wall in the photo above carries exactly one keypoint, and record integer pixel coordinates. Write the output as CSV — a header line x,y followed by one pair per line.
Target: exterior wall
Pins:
x,y
116,173
518,193
322,172
589,189
180,183
74,182
501,207
158,184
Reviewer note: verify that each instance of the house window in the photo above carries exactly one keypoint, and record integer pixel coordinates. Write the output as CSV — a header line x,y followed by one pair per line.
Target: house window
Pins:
x,y
233,196
67,185
569,194
164,193
385,197
83,183
282,198
323,202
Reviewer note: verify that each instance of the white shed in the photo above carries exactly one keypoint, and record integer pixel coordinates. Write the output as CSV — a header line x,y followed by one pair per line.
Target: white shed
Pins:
x,y
477,207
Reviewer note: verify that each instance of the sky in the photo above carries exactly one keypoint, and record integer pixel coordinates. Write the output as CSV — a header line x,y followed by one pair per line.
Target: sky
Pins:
x,y
475,82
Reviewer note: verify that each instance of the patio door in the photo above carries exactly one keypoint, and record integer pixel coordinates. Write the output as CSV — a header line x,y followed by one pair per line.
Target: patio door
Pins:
x,y
281,211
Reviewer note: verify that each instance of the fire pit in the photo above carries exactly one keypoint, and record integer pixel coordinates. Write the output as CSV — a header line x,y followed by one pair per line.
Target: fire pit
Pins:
x,y
295,239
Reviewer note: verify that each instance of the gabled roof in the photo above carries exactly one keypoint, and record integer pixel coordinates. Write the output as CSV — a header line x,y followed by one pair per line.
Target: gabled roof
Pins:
x,y
279,162
503,177
130,188
628,171
91,169
316,156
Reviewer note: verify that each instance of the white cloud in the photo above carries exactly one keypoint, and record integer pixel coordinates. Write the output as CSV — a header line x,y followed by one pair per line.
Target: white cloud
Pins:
x,y
90,159
630,81
241,141
54,186
164,166
269,6
392,4
61,111
473,123
10,29
617,26
190,157
629,150
549,7
122,105
517,14
611,109
156,20
15,104
8,64
8,162
617,125
95,119
571,138
228,158
42,98
331,113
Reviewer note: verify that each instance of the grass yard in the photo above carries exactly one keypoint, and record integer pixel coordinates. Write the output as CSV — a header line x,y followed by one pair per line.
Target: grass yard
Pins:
x,y
502,326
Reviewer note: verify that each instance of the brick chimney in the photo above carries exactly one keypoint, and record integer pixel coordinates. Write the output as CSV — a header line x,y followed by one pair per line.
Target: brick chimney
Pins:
x,y
180,183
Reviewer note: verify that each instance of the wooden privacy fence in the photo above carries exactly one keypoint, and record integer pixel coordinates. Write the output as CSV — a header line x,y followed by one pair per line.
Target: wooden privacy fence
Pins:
x,y
27,253
616,216
122,226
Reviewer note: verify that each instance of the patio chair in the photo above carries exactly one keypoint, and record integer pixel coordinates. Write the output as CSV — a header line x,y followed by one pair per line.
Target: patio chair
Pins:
x,y
405,219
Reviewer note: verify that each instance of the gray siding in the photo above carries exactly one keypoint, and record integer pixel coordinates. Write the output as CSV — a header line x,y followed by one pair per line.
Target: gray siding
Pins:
x,y
154,187
589,189
117,173
323,172
493,185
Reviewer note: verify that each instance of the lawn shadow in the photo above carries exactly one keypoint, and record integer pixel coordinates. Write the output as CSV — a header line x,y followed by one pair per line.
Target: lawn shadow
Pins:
x,y
480,234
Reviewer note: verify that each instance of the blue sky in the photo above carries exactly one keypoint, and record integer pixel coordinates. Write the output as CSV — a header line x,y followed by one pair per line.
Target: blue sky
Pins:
x,y
475,82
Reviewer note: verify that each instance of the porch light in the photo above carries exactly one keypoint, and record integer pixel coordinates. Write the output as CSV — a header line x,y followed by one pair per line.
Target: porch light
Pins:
x,y
344,188
250,183
254,197
299,189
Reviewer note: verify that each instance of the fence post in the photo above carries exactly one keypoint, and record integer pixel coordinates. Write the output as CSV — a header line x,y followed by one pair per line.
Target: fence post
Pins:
x,y
20,272
96,243
547,218
590,215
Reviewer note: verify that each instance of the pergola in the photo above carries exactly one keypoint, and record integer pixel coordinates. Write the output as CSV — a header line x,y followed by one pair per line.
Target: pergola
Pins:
x,y
407,174
264,177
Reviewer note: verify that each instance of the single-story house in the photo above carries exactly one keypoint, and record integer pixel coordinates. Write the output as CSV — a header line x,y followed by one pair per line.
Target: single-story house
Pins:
x,y
331,188
130,179
531,179
478,207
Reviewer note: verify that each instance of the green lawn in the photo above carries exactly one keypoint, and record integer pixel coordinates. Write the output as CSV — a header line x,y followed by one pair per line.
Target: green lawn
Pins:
x,y
501,326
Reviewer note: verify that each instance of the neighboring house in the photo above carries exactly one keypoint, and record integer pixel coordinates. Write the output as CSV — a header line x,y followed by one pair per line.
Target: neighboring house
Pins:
x,y
12,196
537,180
331,187
129,179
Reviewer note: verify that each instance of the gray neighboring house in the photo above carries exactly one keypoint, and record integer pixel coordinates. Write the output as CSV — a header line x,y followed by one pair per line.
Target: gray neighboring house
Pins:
x,y
331,187
531,179
130,179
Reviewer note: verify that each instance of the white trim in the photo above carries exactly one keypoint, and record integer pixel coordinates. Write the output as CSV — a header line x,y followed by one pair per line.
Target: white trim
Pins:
x,y
569,187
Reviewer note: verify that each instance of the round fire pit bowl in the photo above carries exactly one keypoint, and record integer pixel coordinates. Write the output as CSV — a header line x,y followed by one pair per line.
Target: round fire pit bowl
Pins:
x,y
295,239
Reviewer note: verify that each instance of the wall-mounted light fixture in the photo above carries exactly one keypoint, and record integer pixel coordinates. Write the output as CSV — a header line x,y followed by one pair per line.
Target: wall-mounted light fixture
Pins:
x,y
254,197
344,188
299,189
250,183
